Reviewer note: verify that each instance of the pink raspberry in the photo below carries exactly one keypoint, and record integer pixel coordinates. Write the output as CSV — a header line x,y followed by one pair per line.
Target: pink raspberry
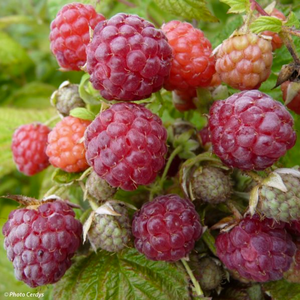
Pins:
x,y
166,228
249,130
65,149
29,144
128,59
126,145
193,63
244,61
259,250
41,242
70,34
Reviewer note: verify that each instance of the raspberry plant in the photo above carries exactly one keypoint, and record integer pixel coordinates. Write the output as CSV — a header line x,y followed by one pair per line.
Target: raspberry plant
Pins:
x,y
152,149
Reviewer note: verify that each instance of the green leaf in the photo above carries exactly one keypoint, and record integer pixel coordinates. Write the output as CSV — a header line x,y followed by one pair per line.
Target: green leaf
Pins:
x,y
282,289
14,60
125,275
86,91
189,9
292,20
64,178
266,23
82,113
237,6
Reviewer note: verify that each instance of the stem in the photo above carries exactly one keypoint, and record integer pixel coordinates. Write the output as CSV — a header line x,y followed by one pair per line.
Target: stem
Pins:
x,y
48,122
127,3
254,176
52,190
258,8
234,210
209,240
169,162
288,41
196,284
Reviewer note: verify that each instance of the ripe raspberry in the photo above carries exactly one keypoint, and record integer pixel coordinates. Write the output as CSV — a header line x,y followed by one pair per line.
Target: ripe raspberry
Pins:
x,y
276,40
70,34
278,205
211,184
259,250
193,63
293,274
41,242
111,233
244,61
205,138
66,98
249,130
65,150
166,228
126,145
128,59
183,100
28,146
99,188
291,90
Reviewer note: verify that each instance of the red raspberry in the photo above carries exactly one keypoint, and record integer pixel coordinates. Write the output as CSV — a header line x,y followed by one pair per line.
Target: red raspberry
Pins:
x,y
70,34
126,145
276,40
166,228
293,228
244,61
193,64
65,149
128,59
259,250
29,144
205,138
249,130
293,274
291,89
183,100
41,242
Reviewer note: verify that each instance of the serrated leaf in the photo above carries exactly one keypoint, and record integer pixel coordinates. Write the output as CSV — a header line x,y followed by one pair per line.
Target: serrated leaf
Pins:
x,y
281,289
82,113
266,23
292,20
64,178
236,6
189,9
125,275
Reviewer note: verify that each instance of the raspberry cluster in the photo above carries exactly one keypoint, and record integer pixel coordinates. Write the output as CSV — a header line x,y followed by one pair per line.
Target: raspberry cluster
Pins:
x,y
70,34
126,145
166,228
41,242
128,58
28,146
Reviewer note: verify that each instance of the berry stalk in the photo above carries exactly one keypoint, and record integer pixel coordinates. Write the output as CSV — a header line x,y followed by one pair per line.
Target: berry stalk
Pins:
x,y
196,284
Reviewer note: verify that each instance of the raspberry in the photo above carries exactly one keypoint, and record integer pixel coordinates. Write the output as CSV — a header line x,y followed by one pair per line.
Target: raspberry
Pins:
x,y
41,242
70,34
29,144
183,100
278,205
259,250
293,274
193,63
99,188
126,145
249,130
276,40
291,90
65,150
166,228
210,184
293,228
244,61
128,59
111,233
205,137
67,98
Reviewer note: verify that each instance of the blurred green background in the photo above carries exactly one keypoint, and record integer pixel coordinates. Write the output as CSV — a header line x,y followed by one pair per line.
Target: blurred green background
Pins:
x,y
29,74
